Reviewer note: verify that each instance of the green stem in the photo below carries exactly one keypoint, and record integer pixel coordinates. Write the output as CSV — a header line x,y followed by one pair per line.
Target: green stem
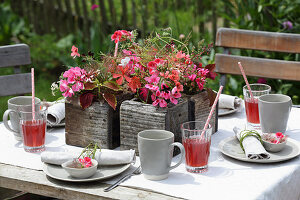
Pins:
x,y
161,38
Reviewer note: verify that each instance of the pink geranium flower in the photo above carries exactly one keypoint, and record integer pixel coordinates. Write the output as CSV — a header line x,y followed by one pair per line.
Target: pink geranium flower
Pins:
x,y
180,54
192,77
121,35
63,85
74,52
68,93
93,7
162,103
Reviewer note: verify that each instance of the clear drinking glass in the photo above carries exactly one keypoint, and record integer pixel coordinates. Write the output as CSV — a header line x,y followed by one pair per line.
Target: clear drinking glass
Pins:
x,y
33,131
196,145
251,105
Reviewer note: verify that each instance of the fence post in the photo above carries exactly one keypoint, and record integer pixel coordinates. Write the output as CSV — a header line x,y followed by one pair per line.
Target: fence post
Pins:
x,y
124,19
133,10
156,13
144,17
112,15
201,9
214,20
86,25
103,17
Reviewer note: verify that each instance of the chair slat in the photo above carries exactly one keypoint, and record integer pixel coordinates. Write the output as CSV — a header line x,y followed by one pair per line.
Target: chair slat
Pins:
x,y
258,40
15,84
258,67
13,55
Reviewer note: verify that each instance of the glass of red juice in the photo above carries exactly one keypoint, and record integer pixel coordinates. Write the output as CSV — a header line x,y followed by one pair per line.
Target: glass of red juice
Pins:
x,y
251,104
34,129
196,143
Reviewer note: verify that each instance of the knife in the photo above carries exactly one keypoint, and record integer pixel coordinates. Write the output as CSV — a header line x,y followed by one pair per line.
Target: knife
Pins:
x,y
137,171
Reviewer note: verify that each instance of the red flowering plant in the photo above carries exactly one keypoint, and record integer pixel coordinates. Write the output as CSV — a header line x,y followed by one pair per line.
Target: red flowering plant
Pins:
x,y
157,70
92,78
161,68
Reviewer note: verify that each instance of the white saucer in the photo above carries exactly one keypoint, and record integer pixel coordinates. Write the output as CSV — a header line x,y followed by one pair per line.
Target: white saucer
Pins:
x,y
226,111
103,172
231,147
62,123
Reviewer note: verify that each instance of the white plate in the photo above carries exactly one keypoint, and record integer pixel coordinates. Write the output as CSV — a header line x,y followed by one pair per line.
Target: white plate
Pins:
x,y
226,111
62,123
103,172
56,125
231,147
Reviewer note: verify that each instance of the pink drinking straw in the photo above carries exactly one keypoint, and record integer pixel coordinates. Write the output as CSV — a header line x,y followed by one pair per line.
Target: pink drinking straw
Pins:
x,y
211,111
32,91
246,80
116,49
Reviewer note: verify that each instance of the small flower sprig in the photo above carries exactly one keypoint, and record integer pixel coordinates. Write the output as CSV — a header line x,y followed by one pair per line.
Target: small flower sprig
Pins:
x,y
89,151
276,138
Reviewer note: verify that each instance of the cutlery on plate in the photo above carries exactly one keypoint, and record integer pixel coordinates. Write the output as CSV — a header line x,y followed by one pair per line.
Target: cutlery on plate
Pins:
x,y
137,171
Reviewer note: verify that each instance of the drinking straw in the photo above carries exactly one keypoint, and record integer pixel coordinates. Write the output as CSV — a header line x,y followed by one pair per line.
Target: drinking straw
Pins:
x,y
246,80
116,49
212,110
32,91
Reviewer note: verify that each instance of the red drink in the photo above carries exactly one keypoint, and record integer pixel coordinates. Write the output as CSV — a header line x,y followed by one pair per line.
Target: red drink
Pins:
x,y
252,111
34,133
196,152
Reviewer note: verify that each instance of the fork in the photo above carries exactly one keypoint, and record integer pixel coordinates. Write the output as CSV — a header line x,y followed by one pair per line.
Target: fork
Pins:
x,y
137,171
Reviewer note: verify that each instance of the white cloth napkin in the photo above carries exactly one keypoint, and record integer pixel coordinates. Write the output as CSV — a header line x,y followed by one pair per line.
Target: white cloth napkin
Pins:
x,y
107,157
56,113
252,146
228,101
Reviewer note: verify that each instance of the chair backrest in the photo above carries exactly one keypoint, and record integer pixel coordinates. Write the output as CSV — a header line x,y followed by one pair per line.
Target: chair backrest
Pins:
x,y
15,56
257,40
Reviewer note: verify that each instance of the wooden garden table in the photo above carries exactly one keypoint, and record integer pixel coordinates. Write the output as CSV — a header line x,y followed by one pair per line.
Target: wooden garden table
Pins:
x,y
33,181
226,178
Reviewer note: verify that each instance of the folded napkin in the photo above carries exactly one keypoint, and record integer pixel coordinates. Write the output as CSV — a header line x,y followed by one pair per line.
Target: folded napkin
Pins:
x,y
228,101
106,157
252,146
56,113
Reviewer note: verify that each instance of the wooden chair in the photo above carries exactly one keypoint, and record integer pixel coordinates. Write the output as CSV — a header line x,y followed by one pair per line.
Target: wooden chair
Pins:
x,y
15,56
258,67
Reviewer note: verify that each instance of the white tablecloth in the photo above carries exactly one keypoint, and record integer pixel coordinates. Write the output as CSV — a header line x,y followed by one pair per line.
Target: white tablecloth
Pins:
x,y
226,178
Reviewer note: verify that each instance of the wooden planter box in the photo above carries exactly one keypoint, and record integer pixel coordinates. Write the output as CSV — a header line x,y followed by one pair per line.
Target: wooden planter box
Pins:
x,y
136,116
199,108
98,123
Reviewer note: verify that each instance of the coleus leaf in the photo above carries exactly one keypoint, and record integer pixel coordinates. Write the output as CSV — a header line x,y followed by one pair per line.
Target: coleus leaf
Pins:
x,y
211,68
112,85
211,96
89,86
86,100
110,99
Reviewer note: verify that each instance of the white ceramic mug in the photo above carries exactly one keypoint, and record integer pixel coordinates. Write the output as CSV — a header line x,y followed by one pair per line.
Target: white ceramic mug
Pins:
x,y
15,105
156,152
274,111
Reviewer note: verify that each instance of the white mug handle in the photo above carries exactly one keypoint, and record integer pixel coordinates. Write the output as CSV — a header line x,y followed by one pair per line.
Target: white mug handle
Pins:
x,y
182,154
5,120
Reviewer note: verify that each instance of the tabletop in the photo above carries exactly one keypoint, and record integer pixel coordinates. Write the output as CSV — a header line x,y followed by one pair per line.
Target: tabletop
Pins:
x,y
226,178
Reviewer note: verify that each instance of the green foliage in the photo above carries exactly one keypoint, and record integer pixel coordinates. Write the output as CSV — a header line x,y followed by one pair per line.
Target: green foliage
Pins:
x,y
11,26
264,15
47,52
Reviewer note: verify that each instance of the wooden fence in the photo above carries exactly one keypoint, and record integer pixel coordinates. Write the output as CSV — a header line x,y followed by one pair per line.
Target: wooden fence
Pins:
x,y
66,16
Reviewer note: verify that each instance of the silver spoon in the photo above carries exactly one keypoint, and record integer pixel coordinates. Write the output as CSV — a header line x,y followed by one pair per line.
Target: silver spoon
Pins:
x,y
137,171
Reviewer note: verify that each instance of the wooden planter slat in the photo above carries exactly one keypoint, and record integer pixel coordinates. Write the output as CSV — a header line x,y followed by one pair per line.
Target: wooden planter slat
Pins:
x,y
98,123
199,106
136,116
